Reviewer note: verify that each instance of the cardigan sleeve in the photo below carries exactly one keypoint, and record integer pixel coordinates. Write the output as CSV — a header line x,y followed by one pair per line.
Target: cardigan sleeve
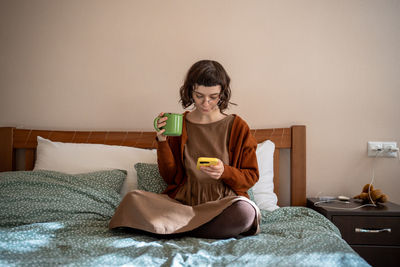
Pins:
x,y
169,158
242,172
166,162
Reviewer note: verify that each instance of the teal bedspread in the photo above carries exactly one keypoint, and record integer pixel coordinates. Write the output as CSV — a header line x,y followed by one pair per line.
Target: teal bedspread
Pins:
x,y
49,218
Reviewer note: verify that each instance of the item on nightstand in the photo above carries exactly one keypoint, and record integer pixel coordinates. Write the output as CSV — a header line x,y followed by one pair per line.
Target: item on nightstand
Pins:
x,y
343,198
371,195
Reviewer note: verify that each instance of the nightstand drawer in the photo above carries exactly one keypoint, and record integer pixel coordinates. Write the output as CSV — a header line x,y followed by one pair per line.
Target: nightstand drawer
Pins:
x,y
385,256
369,230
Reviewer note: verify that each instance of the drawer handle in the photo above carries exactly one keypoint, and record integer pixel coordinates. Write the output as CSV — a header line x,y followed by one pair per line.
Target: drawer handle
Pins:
x,y
374,231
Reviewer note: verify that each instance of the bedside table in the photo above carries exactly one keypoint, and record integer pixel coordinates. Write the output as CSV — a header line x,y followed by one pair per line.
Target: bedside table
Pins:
x,y
373,232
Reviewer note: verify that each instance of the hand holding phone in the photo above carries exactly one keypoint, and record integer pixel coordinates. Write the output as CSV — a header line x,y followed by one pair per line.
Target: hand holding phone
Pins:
x,y
204,161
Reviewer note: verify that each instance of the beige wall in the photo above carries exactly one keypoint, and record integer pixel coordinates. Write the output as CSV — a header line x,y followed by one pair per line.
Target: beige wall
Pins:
x,y
331,65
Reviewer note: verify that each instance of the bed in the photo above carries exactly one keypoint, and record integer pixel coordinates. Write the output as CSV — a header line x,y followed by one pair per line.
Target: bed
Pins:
x,y
50,217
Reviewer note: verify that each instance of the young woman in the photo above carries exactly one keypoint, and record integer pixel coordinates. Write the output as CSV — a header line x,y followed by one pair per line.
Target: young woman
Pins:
x,y
211,202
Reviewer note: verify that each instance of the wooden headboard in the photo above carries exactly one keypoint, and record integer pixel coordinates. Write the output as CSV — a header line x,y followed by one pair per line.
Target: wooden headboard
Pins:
x,y
293,138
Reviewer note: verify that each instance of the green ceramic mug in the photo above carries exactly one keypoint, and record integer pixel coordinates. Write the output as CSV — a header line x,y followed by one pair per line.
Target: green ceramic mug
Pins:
x,y
173,126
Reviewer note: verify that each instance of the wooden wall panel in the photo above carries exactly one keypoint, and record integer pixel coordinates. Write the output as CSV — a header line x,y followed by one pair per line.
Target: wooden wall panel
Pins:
x,y
293,138
280,136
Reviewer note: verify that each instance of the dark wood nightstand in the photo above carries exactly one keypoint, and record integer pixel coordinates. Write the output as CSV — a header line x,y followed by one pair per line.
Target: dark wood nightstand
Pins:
x,y
373,232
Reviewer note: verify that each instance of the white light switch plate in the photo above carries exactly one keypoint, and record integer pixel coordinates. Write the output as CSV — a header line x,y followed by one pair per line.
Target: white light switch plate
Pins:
x,y
382,149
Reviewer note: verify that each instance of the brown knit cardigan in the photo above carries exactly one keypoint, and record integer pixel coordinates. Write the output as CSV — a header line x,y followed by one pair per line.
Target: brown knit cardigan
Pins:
x,y
239,175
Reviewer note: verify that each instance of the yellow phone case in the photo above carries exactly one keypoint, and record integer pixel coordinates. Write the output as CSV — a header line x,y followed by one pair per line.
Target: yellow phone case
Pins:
x,y
203,161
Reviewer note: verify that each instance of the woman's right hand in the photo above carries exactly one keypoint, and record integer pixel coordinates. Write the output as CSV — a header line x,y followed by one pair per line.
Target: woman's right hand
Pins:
x,y
160,123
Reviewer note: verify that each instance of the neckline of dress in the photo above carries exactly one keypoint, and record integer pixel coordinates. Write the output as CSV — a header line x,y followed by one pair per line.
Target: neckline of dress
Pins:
x,y
214,122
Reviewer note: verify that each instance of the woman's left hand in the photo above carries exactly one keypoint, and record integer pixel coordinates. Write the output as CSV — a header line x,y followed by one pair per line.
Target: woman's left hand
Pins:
x,y
214,171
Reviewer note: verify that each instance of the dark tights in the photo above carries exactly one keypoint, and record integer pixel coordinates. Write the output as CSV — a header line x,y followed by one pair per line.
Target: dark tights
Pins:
x,y
234,220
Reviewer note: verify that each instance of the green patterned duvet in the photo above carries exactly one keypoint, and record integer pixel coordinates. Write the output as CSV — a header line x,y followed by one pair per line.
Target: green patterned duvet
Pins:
x,y
49,218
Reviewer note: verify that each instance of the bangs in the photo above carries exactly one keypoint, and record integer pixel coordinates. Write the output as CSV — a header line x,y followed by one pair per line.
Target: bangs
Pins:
x,y
209,78
207,82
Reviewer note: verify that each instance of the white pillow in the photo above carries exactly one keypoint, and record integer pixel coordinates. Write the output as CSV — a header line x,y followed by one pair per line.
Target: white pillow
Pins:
x,y
263,190
74,158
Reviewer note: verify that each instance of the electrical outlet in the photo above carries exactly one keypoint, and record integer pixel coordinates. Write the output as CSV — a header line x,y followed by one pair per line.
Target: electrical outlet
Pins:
x,y
382,149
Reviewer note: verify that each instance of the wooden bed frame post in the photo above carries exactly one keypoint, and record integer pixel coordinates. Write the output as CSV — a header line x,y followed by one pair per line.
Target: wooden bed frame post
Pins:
x,y
6,149
298,166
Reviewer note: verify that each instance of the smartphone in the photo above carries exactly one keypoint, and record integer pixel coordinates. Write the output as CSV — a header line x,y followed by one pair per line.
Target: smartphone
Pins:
x,y
203,161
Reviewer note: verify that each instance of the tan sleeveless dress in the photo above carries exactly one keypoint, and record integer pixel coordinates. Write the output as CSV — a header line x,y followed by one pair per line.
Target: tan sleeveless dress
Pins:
x,y
198,201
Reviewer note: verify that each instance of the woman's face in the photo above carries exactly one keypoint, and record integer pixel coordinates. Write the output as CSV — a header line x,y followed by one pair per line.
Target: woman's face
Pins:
x,y
206,98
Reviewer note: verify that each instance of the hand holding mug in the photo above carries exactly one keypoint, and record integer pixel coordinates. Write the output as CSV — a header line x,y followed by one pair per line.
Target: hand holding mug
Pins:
x,y
168,124
161,121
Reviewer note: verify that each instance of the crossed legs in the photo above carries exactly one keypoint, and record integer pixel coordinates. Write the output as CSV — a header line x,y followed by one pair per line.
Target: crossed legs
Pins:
x,y
234,220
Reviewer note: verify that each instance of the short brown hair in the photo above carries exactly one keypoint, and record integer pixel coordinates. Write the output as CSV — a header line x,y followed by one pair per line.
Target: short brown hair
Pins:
x,y
206,73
